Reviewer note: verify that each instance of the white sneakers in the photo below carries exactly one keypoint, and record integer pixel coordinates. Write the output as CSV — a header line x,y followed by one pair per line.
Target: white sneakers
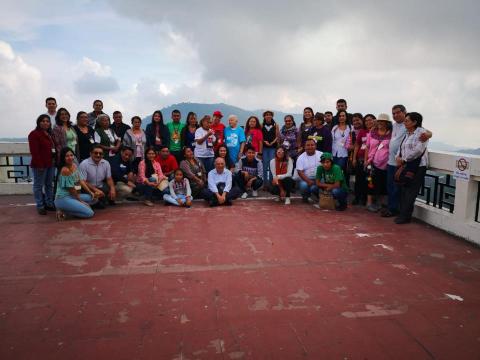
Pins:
x,y
254,193
244,195
287,201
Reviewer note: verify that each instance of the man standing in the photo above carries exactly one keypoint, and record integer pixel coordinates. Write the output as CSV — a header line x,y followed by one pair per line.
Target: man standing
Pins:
x,y
175,130
219,129
122,172
398,133
98,176
167,162
97,110
220,190
234,139
51,105
341,106
118,127
328,120
307,164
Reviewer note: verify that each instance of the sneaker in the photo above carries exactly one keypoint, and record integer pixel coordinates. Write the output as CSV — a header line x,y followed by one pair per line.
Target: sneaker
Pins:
x,y
276,199
305,199
287,201
254,193
386,213
41,211
372,208
244,195
50,208
401,220
148,203
99,206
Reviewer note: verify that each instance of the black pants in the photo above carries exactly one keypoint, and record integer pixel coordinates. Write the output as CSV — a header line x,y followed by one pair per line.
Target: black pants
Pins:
x,y
409,193
212,198
287,184
240,181
360,182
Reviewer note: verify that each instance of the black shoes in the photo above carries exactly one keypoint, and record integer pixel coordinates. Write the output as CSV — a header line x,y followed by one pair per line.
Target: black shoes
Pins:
x,y
401,220
41,211
50,208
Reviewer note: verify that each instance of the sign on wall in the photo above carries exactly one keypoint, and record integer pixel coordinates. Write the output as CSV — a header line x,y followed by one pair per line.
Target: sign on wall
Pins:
x,y
462,168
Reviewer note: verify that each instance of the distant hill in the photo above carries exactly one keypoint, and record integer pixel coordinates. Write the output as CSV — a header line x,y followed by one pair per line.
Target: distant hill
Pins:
x,y
471,151
208,109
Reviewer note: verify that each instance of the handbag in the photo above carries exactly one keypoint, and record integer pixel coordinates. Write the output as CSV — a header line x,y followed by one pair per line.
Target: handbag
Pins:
x,y
405,173
326,201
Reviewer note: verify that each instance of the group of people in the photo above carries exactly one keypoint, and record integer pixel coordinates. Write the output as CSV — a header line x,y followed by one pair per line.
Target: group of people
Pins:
x,y
93,163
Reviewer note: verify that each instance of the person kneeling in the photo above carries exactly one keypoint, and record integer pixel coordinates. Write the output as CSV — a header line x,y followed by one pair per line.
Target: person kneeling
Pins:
x,y
249,173
180,192
330,178
220,190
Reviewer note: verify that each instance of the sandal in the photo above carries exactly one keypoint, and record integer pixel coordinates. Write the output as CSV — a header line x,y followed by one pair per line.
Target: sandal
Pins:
x,y
60,215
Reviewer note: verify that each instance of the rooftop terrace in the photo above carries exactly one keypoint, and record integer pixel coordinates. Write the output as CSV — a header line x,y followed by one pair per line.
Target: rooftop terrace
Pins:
x,y
257,280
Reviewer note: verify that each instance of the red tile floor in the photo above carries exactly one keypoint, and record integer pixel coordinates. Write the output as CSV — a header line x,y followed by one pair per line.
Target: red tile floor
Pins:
x,y
257,280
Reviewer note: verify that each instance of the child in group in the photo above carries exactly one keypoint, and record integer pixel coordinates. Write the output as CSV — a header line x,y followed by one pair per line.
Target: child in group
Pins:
x,y
180,192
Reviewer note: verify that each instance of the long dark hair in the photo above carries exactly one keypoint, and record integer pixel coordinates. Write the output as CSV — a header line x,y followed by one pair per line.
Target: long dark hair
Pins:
x,y
311,110
228,161
40,119
160,124
149,170
63,153
257,124
57,117
191,113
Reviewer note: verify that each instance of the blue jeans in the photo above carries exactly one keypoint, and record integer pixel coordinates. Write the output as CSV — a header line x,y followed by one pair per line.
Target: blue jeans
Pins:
x,y
306,190
207,163
342,162
43,178
267,156
340,195
73,207
170,199
393,189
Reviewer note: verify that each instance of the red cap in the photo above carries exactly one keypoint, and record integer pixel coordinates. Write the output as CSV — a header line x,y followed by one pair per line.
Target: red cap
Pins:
x,y
218,113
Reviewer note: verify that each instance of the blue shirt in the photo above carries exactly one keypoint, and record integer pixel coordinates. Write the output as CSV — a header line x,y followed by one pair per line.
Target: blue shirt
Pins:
x,y
214,178
233,140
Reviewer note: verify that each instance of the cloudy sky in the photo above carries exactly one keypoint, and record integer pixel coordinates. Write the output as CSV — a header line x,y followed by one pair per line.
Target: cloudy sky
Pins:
x,y
139,56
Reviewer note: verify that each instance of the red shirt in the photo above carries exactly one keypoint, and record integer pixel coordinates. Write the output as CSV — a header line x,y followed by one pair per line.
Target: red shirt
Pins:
x,y
169,164
255,138
41,145
219,129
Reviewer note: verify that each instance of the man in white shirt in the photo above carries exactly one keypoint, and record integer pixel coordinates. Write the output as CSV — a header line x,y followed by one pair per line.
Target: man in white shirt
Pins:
x,y
51,105
220,189
306,169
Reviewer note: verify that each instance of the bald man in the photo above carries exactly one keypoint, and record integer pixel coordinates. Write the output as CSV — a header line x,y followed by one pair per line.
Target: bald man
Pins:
x,y
220,189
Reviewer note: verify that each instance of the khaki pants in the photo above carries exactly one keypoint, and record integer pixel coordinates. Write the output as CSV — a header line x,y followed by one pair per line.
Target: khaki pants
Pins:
x,y
123,190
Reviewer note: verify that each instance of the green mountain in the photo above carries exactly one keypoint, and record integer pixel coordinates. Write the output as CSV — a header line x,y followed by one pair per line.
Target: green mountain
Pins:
x,y
208,109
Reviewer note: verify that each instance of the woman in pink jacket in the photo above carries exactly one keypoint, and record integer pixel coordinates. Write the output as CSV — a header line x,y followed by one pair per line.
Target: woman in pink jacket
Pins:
x,y
150,177
376,159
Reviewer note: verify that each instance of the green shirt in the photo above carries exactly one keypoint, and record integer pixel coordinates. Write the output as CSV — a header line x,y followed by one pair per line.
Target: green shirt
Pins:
x,y
175,129
331,176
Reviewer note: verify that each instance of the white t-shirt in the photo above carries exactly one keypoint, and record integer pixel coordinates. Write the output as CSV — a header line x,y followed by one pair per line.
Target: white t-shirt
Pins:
x,y
308,164
205,149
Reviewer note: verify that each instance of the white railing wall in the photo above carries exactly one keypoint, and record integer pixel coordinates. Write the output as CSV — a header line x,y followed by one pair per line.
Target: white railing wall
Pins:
x,y
460,223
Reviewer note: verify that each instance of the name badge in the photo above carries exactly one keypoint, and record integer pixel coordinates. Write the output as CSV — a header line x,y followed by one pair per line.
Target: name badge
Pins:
x,y
380,146
54,151
92,140
78,187
122,166
363,147
199,173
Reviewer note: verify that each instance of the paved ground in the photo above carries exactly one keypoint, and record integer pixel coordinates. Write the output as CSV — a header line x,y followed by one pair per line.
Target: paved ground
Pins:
x,y
254,281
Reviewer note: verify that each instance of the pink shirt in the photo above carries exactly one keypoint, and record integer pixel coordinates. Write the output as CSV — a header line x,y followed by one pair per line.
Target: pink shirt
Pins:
x,y
378,149
141,171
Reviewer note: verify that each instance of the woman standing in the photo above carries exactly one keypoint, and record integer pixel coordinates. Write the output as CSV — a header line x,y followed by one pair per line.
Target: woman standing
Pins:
x,y
42,149
188,132
253,135
157,132
136,139
68,199
288,137
358,161
413,156
340,134
150,176
205,139
194,171
282,166
305,128
85,136
376,160
106,137
269,132
63,133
